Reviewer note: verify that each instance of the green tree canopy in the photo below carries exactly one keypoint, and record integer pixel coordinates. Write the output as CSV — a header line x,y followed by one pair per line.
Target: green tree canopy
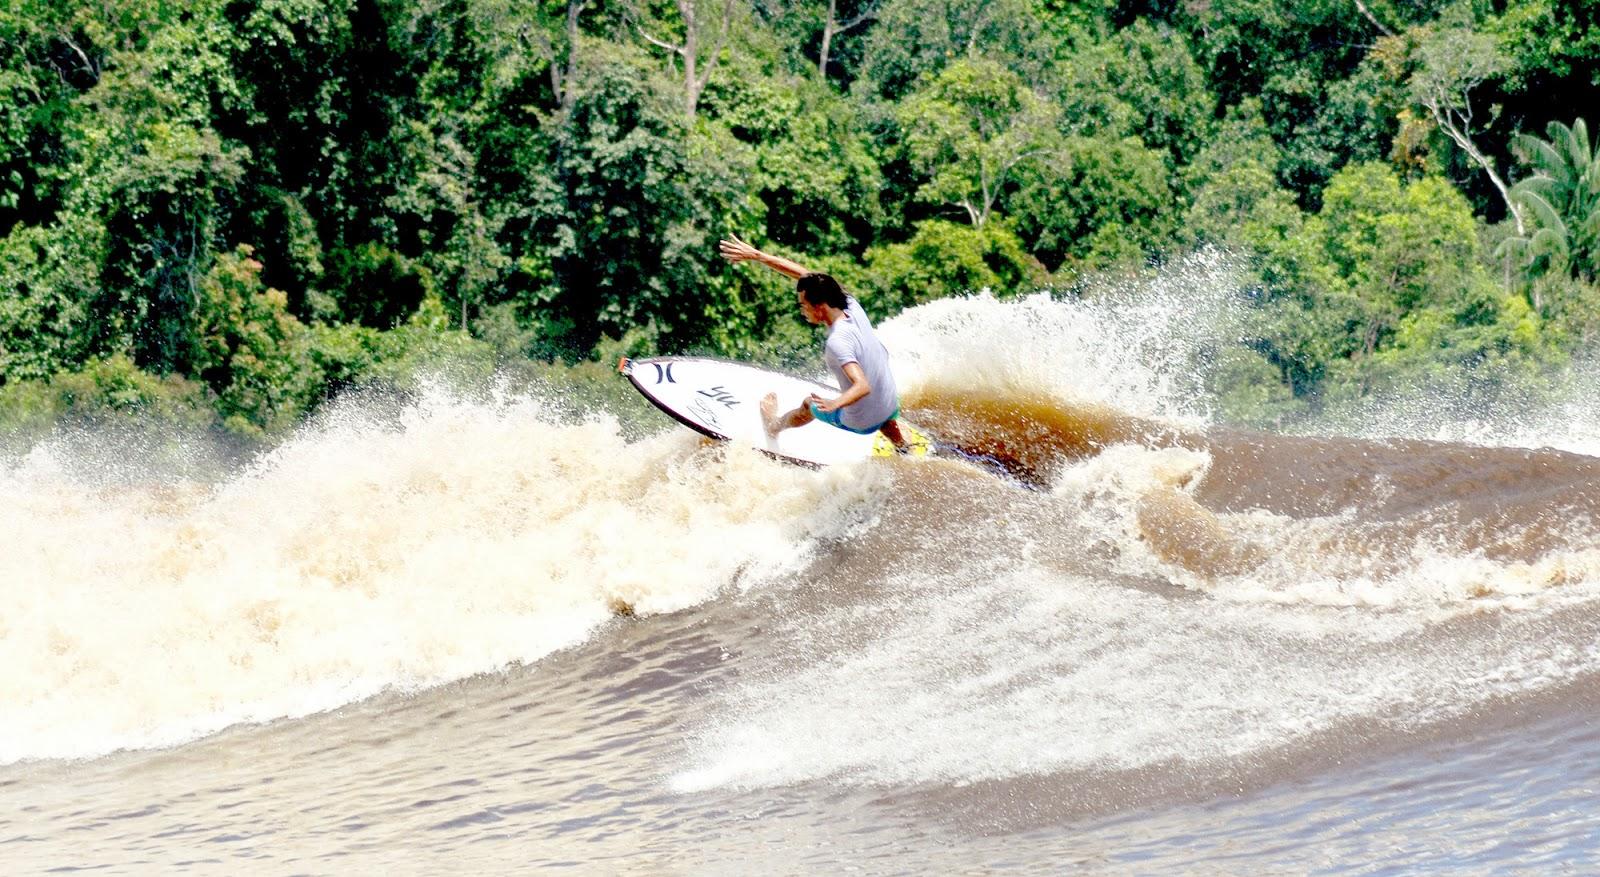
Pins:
x,y
969,129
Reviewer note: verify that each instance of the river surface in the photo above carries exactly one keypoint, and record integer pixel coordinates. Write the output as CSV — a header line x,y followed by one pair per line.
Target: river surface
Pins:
x,y
495,632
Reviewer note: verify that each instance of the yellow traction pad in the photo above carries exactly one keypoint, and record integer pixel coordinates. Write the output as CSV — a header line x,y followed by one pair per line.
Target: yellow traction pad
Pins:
x,y
917,444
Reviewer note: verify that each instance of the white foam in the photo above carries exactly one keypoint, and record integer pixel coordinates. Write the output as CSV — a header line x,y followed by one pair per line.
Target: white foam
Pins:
x,y
1034,672
1141,347
367,554
1328,560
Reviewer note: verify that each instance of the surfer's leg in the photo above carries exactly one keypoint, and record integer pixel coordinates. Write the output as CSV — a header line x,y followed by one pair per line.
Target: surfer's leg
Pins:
x,y
775,424
891,431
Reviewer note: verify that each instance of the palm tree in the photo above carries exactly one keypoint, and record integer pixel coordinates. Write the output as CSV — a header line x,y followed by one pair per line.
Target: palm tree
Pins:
x,y
1563,198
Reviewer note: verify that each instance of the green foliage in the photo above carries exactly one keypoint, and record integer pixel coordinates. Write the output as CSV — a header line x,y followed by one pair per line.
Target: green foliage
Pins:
x,y
143,159
47,278
1490,343
42,68
1263,49
375,286
944,259
1357,121
1555,44
1384,288
1242,205
247,205
1571,309
1450,62
1141,82
1305,317
101,392
350,355
915,39
969,128
1250,390
1095,203
1561,201
1241,135
814,169
1396,247
285,228
618,230
799,27
252,351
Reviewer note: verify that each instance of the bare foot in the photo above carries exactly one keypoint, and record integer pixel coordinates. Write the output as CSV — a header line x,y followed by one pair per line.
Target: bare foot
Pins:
x,y
769,413
891,431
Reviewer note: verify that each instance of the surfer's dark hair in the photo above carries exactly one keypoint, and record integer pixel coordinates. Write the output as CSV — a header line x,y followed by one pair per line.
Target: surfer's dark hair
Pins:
x,y
821,289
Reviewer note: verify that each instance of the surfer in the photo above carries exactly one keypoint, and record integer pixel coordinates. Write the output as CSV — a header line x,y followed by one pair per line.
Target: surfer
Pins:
x,y
869,402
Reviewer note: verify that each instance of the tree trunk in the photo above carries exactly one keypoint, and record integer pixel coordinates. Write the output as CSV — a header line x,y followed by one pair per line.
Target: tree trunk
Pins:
x,y
574,7
690,52
827,41
695,78
562,71
1458,133
833,27
1367,13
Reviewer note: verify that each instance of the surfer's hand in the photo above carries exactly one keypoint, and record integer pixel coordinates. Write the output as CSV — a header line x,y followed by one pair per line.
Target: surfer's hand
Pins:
x,y
736,251
823,404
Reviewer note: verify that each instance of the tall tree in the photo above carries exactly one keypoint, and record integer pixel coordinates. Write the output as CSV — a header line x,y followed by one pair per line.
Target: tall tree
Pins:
x,y
913,38
511,31
969,128
563,59
611,234
833,26
1452,64
1562,197
702,31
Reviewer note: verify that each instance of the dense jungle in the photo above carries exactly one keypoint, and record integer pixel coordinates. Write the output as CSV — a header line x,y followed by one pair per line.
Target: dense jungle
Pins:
x,y
223,213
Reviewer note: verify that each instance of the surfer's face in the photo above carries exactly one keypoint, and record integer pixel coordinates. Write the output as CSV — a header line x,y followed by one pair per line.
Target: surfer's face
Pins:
x,y
816,315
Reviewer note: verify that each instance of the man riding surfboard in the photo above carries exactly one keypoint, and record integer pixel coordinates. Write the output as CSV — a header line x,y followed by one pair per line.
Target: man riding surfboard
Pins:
x,y
869,401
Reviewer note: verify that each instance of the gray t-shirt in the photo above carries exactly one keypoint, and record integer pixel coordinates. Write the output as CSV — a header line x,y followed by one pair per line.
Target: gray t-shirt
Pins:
x,y
851,339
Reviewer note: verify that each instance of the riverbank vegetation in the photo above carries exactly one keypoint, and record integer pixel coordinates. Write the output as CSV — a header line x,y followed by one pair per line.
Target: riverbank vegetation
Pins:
x,y
225,211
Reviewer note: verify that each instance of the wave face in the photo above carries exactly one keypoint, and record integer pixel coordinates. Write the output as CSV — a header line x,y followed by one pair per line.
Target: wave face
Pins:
x,y
1143,600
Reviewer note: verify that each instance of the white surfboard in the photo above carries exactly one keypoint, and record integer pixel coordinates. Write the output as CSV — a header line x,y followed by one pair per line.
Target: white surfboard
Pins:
x,y
722,400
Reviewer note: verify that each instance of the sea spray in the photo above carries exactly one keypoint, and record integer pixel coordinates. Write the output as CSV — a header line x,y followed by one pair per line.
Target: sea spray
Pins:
x,y
368,553
1141,346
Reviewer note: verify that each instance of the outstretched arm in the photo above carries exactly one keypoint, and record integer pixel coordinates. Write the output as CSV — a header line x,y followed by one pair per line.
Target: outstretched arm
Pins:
x,y
736,251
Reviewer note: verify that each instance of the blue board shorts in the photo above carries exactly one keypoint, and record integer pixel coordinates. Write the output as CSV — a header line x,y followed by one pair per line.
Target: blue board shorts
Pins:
x,y
831,418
